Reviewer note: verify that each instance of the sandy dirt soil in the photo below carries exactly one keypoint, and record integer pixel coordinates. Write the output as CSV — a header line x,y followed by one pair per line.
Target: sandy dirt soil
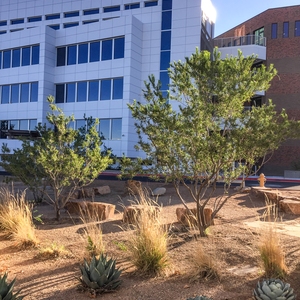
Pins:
x,y
233,242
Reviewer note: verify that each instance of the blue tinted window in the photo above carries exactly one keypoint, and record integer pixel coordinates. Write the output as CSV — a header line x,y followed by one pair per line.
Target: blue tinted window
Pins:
x,y
105,89
0,60
150,3
91,11
32,124
26,56
83,53
285,29
111,8
35,55
165,60
106,53
6,59
60,93
15,88
274,31
2,32
81,91
116,129
71,14
68,25
53,17
24,92
166,20
80,124
165,40
5,94
93,90
34,92
17,21
164,79
61,56
105,128
70,92
297,28
23,124
14,124
166,4
118,88
89,22
35,19
119,47
132,6
94,51
55,27
3,23
16,56
72,53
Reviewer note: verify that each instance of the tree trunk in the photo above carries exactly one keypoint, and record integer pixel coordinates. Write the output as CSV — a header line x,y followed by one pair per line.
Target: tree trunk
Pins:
x,y
201,220
57,210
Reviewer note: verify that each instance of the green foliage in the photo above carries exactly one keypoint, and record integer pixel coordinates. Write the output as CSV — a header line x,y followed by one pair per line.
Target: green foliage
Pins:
x,y
272,289
101,274
6,289
201,131
199,298
63,158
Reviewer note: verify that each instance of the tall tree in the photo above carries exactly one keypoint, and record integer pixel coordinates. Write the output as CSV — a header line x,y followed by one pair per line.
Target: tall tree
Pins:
x,y
67,159
201,132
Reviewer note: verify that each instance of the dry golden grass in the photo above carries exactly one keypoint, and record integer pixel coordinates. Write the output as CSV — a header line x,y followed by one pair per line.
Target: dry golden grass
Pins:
x,y
271,251
53,251
16,219
149,242
92,233
205,265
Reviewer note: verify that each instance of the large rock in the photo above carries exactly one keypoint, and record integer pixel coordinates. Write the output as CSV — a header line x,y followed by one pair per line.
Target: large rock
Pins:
x,y
132,213
290,206
265,194
133,187
95,210
189,218
100,210
102,190
159,191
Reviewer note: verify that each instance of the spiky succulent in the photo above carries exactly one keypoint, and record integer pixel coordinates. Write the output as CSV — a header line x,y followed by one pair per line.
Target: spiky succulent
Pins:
x,y
101,274
273,289
199,298
6,290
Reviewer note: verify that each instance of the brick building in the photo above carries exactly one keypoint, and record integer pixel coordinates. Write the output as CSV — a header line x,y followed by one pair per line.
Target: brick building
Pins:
x,y
275,36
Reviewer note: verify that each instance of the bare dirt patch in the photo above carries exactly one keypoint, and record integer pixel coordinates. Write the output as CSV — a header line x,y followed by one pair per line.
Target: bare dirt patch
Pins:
x,y
233,242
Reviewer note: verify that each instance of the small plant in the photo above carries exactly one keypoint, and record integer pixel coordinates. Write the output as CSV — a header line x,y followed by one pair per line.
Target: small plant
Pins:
x,y
101,275
272,289
205,264
53,251
271,252
148,244
200,298
6,290
121,245
16,219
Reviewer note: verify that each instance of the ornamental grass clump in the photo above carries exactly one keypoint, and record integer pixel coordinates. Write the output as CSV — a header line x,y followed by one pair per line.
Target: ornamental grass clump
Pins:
x,y
148,244
16,219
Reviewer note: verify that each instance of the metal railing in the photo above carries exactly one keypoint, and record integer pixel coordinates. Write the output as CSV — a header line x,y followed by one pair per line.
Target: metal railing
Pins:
x,y
240,41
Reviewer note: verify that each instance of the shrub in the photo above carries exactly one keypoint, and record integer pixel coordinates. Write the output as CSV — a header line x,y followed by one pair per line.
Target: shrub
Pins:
x,y
148,244
53,251
16,218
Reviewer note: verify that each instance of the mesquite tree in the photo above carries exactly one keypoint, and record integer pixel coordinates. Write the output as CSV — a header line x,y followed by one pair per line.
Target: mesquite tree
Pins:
x,y
201,133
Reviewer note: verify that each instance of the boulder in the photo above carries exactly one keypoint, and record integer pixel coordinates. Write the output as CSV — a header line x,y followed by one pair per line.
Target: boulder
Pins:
x,y
100,210
159,191
189,218
133,187
290,206
102,190
131,213
77,207
85,193
265,194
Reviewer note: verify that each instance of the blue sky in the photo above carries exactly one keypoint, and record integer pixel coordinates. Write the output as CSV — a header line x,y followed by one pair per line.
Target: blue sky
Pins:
x,y
233,12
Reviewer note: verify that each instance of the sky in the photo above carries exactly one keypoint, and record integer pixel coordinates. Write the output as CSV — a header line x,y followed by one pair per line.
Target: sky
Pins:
x,y
234,12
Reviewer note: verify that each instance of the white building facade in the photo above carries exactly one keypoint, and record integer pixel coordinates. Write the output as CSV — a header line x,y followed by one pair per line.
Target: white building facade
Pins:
x,y
93,57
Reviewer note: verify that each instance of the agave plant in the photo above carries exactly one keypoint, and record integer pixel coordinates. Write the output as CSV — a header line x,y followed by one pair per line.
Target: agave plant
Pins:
x,y
6,290
272,289
200,298
101,274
